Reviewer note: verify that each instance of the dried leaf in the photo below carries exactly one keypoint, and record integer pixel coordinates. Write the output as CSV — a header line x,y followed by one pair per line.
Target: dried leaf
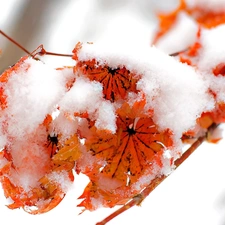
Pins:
x,y
126,155
70,151
116,82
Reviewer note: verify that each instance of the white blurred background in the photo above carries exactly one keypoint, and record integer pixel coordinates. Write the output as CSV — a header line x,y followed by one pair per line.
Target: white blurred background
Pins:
x,y
60,24
195,193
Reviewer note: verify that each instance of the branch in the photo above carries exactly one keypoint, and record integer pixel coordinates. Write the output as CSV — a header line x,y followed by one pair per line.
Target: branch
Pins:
x,y
136,200
14,42
41,49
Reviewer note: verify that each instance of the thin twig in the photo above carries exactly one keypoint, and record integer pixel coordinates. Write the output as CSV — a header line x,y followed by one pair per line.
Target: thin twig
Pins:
x,y
158,180
135,201
34,53
190,150
14,42
177,53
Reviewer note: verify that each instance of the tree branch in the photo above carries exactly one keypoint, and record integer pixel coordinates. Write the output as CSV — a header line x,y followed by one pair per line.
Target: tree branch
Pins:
x,y
136,200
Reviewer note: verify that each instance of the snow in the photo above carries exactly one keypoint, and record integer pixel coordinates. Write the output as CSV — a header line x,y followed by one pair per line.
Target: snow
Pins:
x,y
210,5
87,96
180,36
35,90
167,157
106,118
3,140
211,55
60,178
31,92
147,177
212,48
30,160
168,88
65,125
181,103
83,96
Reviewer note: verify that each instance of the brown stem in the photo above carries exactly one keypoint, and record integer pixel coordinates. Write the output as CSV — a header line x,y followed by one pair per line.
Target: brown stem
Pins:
x,y
14,42
177,53
35,52
158,180
190,150
135,201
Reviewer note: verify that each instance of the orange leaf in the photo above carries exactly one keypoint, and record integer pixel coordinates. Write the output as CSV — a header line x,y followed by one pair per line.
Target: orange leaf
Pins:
x,y
70,150
116,82
204,17
95,197
135,145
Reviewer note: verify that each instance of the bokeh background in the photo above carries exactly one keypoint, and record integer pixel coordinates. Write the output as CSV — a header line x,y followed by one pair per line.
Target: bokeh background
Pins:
x,y
195,193
60,24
